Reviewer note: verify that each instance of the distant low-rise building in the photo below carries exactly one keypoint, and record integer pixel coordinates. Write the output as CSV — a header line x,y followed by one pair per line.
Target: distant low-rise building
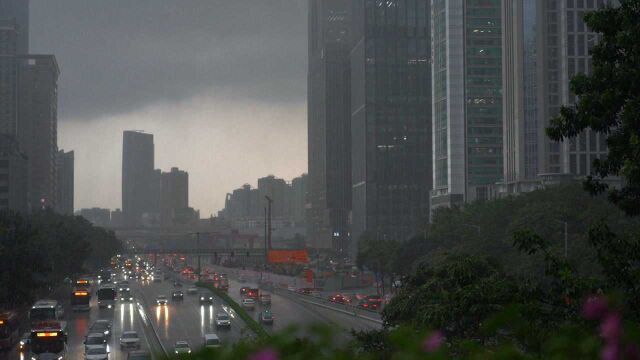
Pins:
x,y
97,216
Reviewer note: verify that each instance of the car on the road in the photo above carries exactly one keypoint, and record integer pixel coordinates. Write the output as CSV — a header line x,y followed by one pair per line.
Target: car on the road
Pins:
x,y
265,299
192,290
129,340
139,355
25,341
157,277
96,353
182,347
94,340
339,299
101,326
177,295
123,285
223,320
244,290
248,304
253,293
206,298
266,317
125,296
211,341
177,284
162,300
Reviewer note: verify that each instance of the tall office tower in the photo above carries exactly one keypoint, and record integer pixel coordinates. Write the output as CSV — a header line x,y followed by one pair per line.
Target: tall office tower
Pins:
x,y
467,100
175,194
13,172
278,190
137,176
65,183
18,10
547,45
299,199
8,78
329,124
391,118
38,125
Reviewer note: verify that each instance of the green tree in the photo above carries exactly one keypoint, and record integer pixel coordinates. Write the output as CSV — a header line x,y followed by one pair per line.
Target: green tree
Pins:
x,y
609,103
377,255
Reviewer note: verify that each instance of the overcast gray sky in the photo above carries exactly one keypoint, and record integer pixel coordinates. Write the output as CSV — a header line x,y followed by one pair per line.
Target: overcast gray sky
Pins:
x,y
221,85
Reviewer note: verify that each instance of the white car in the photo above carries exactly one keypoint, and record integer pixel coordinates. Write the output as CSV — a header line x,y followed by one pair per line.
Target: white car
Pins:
x,y
123,285
95,340
129,340
211,341
96,353
182,347
249,304
162,300
223,320
192,290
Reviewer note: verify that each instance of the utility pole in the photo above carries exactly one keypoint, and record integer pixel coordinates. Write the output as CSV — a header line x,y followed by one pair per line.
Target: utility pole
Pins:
x,y
269,202
197,249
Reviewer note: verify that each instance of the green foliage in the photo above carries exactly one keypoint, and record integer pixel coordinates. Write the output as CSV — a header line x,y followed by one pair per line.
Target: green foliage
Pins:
x,y
44,248
251,322
377,255
608,103
487,228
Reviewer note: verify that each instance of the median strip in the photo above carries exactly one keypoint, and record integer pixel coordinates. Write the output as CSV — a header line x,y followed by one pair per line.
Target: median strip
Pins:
x,y
251,323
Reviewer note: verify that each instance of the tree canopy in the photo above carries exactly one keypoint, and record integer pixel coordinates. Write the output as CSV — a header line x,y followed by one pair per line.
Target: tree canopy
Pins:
x,y
608,103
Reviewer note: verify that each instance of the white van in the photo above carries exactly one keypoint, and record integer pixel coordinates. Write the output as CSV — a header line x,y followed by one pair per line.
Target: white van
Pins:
x,y
211,341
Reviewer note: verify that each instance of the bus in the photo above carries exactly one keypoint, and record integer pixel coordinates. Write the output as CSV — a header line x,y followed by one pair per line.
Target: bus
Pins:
x,y
9,330
81,300
48,340
45,310
107,296
83,282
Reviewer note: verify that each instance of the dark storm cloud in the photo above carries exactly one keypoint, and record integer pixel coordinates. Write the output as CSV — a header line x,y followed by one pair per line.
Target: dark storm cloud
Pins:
x,y
119,55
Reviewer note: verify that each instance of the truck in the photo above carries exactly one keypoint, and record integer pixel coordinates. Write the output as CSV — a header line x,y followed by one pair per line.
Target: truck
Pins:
x,y
48,340
45,310
107,296
80,300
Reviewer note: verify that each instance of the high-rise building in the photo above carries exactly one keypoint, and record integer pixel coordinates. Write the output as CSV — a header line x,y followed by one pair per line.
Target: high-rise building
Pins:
x,y
17,10
329,123
137,177
299,199
467,100
547,45
278,190
8,78
38,125
13,172
391,117
65,183
174,194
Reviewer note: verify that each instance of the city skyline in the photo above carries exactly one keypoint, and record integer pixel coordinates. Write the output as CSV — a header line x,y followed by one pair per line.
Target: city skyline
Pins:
x,y
263,92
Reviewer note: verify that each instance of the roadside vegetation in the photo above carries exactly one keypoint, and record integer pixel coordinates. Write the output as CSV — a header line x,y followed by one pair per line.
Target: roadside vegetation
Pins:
x,y
45,248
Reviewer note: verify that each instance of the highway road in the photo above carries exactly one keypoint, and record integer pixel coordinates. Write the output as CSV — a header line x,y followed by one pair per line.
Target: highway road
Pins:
x,y
187,319
293,313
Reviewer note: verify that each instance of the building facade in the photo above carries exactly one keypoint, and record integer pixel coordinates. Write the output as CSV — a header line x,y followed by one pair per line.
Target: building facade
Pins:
x,y
13,172
18,11
329,123
8,78
390,118
467,100
174,194
548,45
38,125
138,196
65,182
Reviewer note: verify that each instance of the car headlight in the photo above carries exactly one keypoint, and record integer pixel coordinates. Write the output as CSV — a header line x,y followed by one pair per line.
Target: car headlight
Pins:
x,y
201,298
21,343
106,332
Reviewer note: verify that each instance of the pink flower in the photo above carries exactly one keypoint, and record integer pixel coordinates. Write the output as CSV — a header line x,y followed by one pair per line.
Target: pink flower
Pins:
x,y
433,342
610,352
265,354
594,307
611,327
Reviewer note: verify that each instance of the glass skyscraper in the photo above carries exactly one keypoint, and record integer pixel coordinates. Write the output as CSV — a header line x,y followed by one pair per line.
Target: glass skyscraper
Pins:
x,y
467,100
390,117
549,43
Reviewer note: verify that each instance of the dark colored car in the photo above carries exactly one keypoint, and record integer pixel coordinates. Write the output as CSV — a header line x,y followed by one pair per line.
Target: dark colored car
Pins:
x,y
266,317
244,290
177,295
206,298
